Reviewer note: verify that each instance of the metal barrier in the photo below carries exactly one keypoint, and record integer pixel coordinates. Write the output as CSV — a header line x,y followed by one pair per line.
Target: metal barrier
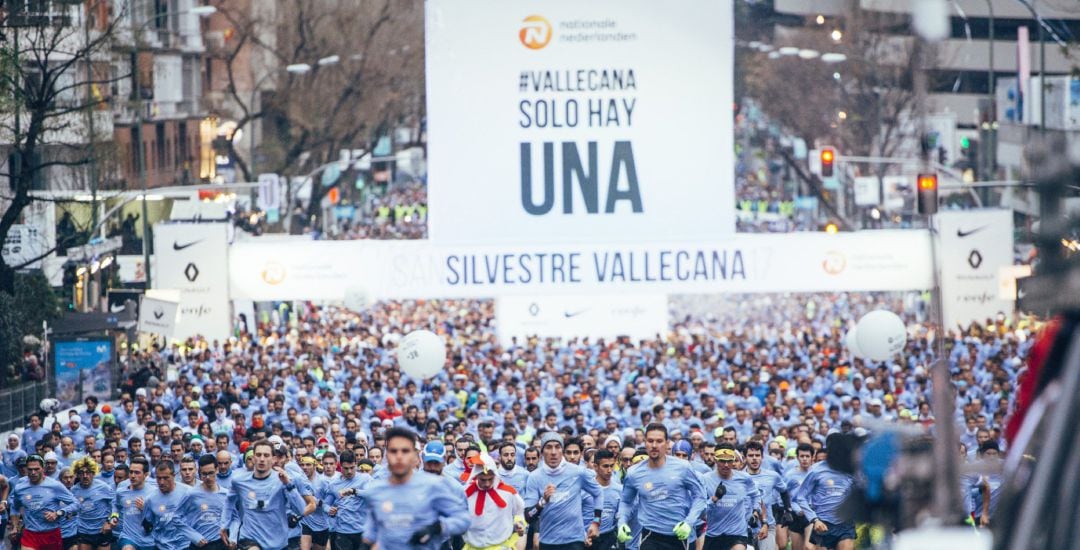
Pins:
x,y
17,403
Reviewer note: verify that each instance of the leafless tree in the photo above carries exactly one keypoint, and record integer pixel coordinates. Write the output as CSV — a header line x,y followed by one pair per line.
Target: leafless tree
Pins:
x,y
55,80
375,82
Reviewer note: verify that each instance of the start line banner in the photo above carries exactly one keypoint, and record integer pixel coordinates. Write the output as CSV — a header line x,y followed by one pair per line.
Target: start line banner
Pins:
x,y
296,268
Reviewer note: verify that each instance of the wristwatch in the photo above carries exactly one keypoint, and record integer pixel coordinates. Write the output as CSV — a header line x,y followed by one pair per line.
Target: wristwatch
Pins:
x,y
61,513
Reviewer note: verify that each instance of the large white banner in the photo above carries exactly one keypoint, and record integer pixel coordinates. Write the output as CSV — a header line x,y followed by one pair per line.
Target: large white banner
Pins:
x,y
567,121
296,268
975,245
194,259
608,316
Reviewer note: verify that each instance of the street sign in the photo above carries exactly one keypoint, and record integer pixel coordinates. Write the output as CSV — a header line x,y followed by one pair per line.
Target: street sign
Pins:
x,y
867,191
269,192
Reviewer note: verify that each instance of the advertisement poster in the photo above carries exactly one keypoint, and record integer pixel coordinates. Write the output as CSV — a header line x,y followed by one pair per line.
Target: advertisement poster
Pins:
x,y
584,122
83,368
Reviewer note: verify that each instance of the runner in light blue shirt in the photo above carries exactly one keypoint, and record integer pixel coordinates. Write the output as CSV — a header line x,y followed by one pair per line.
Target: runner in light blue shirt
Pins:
x,y
411,509
554,493
668,493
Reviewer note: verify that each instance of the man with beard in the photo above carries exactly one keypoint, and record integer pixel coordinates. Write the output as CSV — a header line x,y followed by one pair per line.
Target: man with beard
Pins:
x,y
40,503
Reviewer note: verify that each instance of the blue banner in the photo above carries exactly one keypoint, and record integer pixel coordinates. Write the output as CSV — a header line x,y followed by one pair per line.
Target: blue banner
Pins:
x,y
83,369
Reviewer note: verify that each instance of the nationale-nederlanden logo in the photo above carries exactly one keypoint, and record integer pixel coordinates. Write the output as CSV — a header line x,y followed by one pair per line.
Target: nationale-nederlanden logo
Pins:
x,y
535,32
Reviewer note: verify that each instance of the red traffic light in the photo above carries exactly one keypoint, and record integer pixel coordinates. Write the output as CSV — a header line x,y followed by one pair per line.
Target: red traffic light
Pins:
x,y
828,155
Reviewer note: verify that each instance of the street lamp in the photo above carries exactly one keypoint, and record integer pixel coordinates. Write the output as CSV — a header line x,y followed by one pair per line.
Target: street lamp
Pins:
x,y
201,11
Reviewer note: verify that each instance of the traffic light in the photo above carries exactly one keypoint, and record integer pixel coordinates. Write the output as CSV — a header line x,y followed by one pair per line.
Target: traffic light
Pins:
x,y
828,162
926,199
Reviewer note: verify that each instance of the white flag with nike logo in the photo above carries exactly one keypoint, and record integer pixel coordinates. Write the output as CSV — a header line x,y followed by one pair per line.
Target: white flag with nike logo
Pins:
x,y
975,245
193,258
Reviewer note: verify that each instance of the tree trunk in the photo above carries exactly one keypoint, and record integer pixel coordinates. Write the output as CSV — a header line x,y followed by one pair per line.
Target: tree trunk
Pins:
x,y
7,278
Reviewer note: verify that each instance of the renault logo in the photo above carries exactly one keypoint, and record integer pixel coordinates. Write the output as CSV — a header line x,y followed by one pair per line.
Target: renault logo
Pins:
x,y
975,259
191,272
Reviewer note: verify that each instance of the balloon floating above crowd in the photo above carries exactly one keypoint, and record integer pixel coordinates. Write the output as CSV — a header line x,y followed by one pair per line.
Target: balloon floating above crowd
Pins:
x,y
878,336
421,354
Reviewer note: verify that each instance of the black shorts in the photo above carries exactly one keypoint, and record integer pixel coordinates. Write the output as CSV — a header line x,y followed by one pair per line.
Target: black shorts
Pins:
x,y
69,542
777,513
247,544
606,541
96,540
567,546
317,537
798,524
725,542
347,541
651,540
836,533
215,544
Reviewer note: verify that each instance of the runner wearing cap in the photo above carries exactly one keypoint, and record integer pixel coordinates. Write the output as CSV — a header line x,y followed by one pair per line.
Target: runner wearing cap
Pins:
x,y
52,465
303,487
344,503
411,509
664,493
40,503
498,511
11,454
733,496
553,493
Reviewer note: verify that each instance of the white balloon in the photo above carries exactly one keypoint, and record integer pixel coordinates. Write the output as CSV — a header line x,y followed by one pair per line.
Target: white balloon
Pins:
x,y
880,335
421,354
852,343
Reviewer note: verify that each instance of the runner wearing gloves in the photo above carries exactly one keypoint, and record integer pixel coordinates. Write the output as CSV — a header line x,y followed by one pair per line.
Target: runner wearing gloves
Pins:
x,y
667,496
733,497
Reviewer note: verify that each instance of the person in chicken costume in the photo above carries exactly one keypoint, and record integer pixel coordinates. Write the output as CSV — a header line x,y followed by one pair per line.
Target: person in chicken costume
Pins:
x,y
498,511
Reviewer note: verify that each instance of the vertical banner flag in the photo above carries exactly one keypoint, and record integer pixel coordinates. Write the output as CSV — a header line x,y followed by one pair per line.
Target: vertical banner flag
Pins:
x,y
158,316
566,121
194,259
975,245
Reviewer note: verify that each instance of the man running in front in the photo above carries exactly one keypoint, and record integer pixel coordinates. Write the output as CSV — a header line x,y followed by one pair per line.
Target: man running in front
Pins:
x,y
667,494
411,509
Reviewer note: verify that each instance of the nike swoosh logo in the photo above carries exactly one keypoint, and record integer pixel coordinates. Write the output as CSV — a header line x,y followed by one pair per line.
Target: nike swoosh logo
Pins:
x,y
568,314
961,233
117,309
178,246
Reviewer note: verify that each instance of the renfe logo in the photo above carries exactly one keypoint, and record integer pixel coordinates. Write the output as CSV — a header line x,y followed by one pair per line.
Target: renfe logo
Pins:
x,y
535,32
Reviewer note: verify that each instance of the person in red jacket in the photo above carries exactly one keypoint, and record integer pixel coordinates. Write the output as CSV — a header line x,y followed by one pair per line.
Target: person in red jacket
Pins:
x,y
390,412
